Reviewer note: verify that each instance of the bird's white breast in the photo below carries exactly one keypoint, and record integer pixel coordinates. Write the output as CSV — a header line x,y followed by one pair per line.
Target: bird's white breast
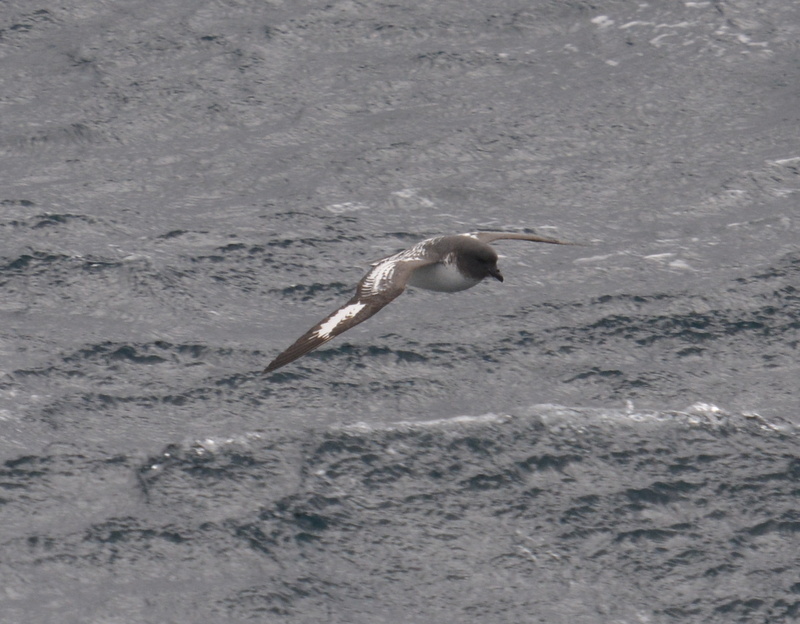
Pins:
x,y
442,276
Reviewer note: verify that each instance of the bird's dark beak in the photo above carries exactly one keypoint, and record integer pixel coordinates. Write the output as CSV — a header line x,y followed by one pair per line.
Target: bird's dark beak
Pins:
x,y
495,273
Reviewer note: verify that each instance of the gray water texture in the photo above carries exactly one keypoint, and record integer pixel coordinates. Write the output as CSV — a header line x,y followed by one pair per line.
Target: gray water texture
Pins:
x,y
610,435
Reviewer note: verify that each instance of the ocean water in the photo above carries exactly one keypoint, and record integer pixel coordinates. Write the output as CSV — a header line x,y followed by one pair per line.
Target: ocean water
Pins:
x,y
610,435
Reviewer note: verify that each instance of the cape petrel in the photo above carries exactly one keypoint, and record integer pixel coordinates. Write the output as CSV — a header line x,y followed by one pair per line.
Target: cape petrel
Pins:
x,y
442,263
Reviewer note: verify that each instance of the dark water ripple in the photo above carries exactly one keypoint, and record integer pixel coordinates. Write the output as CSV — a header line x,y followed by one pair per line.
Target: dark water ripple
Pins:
x,y
543,507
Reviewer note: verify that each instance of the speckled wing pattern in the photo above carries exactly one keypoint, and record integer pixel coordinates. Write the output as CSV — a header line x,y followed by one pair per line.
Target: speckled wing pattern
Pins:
x,y
382,284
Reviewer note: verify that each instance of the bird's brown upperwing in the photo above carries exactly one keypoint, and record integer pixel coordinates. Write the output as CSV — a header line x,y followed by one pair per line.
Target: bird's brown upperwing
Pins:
x,y
488,237
371,295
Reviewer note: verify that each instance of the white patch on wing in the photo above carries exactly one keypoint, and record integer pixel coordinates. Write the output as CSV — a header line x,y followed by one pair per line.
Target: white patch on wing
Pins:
x,y
381,273
342,315
419,251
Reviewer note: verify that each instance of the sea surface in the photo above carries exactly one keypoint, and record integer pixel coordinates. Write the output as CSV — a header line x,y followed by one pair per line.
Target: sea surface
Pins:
x,y
609,436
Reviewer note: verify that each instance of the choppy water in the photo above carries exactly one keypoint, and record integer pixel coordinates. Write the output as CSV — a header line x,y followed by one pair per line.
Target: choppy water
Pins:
x,y
608,436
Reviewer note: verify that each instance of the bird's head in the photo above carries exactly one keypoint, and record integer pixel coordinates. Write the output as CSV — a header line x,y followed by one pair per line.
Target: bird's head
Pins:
x,y
481,261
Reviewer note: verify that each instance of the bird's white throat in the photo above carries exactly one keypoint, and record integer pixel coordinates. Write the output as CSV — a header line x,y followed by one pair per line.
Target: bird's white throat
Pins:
x,y
443,277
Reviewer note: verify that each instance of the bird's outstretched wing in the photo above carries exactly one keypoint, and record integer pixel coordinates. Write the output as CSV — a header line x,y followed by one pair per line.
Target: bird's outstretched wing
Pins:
x,y
381,285
488,237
